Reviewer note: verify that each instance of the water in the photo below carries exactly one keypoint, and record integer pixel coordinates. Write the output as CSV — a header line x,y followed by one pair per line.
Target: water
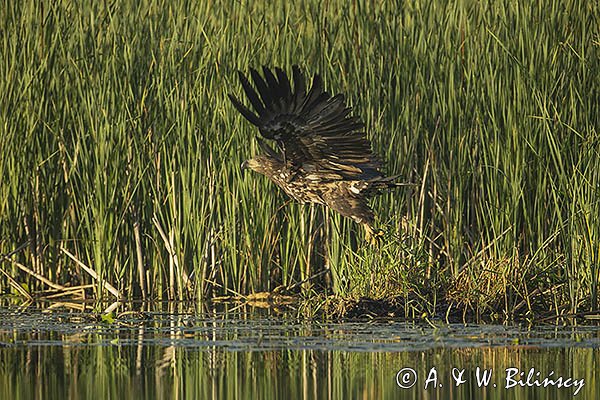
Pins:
x,y
250,354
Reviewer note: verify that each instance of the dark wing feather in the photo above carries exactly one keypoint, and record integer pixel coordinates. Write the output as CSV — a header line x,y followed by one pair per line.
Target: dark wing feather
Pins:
x,y
310,126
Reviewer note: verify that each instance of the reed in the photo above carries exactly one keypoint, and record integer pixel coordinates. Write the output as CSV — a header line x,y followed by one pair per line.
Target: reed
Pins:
x,y
119,145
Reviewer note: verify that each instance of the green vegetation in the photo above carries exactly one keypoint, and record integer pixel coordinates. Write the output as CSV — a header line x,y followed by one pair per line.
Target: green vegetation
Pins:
x,y
120,150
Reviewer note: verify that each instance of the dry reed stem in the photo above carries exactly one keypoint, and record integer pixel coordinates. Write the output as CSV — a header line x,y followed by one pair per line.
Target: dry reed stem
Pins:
x,y
93,274
16,285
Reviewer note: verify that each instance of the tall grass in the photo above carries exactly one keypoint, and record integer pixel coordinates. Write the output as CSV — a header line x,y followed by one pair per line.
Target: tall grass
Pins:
x,y
119,145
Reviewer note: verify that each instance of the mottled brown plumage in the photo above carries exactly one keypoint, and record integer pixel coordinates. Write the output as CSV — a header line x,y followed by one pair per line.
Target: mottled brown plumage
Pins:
x,y
323,155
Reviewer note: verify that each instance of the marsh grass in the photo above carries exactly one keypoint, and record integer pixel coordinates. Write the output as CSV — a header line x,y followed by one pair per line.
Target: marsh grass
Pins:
x,y
120,146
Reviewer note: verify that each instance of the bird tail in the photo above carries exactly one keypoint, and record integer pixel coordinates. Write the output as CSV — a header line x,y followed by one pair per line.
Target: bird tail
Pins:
x,y
386,183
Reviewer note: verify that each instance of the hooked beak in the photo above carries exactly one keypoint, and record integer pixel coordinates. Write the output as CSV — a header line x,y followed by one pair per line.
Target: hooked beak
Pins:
x,y
245,166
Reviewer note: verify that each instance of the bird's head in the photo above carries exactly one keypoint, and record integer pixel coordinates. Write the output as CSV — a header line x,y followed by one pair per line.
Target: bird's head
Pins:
x,y
260,163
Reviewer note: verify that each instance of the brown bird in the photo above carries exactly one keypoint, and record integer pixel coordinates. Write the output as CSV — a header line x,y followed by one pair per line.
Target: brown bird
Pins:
x,y
323,155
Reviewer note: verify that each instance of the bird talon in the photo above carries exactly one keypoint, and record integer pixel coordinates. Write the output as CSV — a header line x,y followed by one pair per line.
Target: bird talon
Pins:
x,y
374,237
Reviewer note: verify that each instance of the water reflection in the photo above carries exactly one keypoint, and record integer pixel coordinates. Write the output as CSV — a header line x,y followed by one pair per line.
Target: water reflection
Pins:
x,y
252,354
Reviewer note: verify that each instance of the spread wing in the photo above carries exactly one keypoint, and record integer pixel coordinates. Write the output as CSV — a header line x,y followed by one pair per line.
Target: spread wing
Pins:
x,y
312,127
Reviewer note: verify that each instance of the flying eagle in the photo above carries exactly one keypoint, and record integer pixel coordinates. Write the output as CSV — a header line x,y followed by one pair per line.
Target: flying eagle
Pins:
x,y
323,155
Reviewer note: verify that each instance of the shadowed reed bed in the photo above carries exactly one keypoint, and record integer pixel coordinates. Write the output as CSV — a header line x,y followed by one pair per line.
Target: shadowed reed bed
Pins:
x,y
120,152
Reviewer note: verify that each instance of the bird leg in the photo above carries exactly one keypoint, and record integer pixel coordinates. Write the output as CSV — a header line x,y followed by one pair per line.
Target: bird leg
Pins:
x,y
372,235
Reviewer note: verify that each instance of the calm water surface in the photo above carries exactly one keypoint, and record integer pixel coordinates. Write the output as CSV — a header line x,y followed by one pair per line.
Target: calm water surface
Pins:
x,y
252,354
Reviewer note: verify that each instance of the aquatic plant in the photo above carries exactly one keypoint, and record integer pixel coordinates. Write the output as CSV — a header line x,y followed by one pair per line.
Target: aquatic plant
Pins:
x,y
120,151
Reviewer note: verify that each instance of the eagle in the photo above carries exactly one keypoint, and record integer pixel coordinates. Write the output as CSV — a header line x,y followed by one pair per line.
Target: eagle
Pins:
x,y
322,154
